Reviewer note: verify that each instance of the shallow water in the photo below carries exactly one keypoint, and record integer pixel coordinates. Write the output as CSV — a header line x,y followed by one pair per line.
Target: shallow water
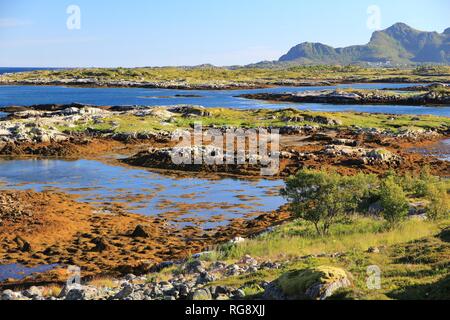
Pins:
x,y
29,95
18,271
140,191
440,150
149,193
145,192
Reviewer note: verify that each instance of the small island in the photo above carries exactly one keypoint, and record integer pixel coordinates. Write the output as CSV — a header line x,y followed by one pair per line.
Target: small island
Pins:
x,y
423,95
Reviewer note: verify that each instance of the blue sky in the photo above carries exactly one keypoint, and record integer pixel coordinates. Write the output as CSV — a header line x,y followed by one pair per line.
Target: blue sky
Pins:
x,y
181,32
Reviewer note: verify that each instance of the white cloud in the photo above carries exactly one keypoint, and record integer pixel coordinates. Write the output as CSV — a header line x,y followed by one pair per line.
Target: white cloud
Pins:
x,y
13,23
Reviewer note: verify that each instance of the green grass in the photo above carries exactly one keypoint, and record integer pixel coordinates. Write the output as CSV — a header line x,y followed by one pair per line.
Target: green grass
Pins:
x,y
417,269
259,118
299,239
414,259
250,279
163,275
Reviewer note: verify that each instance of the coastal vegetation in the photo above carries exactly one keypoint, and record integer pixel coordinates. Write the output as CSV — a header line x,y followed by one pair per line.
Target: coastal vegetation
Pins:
x,y
324,198
347,209
156,121
403,248
286,261
206,77
413,257
435,94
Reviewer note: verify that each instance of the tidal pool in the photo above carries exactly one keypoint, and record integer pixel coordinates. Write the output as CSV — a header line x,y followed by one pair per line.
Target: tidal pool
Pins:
x,y
18,271
212,202
440,150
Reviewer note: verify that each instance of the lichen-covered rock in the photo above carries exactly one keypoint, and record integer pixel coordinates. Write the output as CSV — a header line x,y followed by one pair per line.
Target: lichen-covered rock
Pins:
x,y
190,111
126,291
79,292
316,283
33,292
194,266
10,295
363,155
382,155
201,294
22,244
140,232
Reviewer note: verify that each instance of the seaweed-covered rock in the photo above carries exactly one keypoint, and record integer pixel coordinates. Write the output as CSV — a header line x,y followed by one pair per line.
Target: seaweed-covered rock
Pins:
x,y
100,244
22,244
140,232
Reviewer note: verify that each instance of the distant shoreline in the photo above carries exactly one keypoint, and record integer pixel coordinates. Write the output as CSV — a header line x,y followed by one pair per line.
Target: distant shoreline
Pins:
x,y
223,78
6,70
205,87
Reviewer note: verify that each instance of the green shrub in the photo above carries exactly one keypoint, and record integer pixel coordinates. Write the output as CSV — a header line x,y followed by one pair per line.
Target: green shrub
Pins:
x,y
327,198
324,197
393,201
438,206
421,183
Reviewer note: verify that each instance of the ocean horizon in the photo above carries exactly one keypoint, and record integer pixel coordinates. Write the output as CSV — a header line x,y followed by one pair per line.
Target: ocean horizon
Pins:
x,y
4,70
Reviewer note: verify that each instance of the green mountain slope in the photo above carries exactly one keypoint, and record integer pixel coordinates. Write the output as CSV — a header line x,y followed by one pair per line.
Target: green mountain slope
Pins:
x,y
399,44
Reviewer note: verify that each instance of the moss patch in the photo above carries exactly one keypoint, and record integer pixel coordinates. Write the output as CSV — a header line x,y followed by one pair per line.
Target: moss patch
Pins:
x,y
295,283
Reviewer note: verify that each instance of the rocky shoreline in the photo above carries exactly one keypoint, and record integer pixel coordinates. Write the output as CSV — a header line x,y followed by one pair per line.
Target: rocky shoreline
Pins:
x,y
423,88
216,78
304,277
371,97
37,130
194,280
173,85
131,249
29,233
50,228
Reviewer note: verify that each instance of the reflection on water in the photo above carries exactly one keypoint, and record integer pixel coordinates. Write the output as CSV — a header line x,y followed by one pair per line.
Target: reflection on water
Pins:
x,y
29,95
440,150
18,271
145,192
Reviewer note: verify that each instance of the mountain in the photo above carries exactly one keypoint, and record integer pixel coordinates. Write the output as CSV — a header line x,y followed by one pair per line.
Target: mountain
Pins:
x,y
399,44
